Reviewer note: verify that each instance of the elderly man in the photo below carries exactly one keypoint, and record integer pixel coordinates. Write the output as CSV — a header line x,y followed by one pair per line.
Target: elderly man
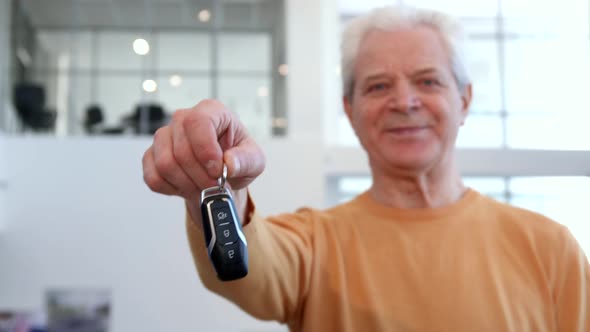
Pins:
x,y
418,251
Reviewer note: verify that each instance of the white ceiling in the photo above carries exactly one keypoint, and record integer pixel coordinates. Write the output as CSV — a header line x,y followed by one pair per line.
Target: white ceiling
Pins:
x,y
144,13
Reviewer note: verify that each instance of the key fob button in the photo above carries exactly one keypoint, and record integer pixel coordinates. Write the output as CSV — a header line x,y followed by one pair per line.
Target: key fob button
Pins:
x,y
226,233
222,216
230,254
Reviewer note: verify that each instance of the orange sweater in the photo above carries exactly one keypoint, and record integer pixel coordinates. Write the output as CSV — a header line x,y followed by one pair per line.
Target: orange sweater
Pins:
x,y
477,265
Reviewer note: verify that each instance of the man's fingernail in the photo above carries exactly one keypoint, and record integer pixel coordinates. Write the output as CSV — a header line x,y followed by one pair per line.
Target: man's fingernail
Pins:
x,y
236,165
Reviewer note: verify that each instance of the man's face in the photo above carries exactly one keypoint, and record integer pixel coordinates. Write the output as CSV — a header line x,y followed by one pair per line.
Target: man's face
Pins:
x,y
406,107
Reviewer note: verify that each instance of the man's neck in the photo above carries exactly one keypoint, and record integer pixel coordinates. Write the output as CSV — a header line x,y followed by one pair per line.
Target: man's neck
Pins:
x,y
427,190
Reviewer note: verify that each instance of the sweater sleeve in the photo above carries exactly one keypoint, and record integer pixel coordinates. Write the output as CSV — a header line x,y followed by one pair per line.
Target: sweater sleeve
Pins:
x,y
279,258
572,287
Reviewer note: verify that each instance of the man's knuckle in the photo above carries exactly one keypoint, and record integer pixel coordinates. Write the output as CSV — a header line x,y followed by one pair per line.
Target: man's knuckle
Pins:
x,y
165,164
144,158
178,116
195,119
153,182
159,133
209,102
182,154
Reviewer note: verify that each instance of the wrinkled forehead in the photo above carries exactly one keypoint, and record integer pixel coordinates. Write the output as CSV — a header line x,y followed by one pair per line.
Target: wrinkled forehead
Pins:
x,y
402,49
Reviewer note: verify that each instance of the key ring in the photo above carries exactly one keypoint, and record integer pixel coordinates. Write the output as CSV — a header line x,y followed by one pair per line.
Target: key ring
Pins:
x,y
219,189
222,178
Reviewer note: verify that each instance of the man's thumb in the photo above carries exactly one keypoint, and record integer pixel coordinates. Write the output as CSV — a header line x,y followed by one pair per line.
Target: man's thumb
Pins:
x,y
244,161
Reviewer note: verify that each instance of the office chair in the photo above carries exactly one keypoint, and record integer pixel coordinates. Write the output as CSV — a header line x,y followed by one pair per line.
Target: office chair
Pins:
x,y
29,101
153,114
93,119
94,122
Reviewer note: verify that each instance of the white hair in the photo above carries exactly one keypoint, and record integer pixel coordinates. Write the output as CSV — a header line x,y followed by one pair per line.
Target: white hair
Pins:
x,y
402,16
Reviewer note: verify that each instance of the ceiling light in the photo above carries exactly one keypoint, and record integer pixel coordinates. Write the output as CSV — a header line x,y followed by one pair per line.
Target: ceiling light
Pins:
x,y
175,80
262,91
141,46
204,15
284,69
150,86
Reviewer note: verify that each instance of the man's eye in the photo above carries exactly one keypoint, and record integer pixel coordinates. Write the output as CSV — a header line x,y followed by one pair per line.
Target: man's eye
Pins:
x,y
430,82
377,87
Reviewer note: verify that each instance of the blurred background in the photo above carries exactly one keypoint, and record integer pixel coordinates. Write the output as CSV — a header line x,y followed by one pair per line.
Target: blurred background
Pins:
x,y
84,84
113,67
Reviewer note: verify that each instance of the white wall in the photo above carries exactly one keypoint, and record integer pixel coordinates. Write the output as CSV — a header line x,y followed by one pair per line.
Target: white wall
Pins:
x,y
309,35
79,215
3,184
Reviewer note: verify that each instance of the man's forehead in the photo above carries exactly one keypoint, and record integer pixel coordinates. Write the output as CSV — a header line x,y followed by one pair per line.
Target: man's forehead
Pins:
x,y
407,50
373,65
421,42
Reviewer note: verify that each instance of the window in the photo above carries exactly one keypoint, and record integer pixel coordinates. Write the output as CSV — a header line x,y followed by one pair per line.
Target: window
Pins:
x,y
231,56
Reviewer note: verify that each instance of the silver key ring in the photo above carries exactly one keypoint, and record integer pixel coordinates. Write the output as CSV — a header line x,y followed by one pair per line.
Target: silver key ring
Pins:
x,y
222,178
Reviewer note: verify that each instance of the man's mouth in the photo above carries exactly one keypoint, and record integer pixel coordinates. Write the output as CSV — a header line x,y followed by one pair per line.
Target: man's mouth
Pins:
x,y
407,130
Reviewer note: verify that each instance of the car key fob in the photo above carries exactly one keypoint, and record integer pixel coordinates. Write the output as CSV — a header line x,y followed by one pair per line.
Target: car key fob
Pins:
x,y
225,241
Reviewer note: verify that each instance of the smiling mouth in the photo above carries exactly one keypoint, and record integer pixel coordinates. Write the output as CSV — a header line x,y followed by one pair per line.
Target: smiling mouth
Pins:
x,y
407,130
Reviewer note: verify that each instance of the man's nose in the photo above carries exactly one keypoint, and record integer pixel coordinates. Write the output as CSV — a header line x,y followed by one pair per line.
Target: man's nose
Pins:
x,y
404,98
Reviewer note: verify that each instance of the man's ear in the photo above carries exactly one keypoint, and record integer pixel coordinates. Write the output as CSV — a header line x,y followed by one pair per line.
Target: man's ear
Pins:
x,y
466,96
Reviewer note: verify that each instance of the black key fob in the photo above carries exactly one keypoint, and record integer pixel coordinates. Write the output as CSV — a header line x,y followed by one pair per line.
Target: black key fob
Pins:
x,y
226,243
